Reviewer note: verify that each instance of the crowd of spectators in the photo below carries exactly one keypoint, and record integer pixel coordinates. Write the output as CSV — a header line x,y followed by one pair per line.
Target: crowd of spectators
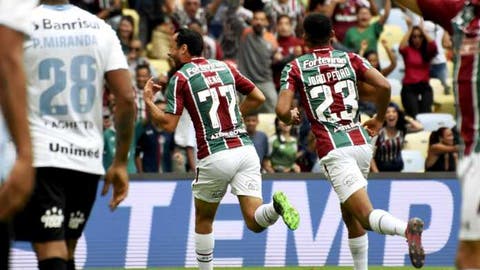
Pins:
x,y
260,38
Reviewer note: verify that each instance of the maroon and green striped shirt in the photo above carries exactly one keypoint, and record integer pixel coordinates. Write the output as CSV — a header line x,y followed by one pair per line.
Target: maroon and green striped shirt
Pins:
x,y
326,80
207,89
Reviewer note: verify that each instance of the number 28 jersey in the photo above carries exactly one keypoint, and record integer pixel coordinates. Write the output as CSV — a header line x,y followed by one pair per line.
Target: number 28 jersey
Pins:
x,y
68,53
208,89
326,81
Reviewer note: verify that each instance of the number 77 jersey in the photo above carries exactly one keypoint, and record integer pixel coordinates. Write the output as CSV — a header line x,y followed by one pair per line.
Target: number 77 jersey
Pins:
x,y
208,90
326,81
66,58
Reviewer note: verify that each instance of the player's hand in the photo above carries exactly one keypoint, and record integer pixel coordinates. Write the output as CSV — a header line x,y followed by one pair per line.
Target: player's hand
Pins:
x,y
117,176
15,192
294,116
151,87
373,126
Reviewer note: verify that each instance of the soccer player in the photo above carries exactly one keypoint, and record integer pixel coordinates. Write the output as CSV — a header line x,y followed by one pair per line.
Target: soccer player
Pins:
x,y
462,19
69,55
207,89
15,191
326,80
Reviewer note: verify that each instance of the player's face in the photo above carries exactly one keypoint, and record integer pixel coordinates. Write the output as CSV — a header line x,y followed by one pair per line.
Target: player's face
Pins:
x,y
251,123
174,53
391,117
284,27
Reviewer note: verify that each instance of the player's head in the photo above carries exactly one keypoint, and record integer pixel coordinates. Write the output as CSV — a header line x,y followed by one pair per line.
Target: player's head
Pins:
x,y
186,44
318,30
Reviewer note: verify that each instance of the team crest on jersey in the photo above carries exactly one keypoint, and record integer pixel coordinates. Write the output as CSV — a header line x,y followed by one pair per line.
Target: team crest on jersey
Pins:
x,y
53,218
76,219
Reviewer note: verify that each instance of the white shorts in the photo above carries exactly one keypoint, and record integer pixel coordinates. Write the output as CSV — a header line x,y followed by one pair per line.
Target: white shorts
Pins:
x,y
347,169
239,167
469,177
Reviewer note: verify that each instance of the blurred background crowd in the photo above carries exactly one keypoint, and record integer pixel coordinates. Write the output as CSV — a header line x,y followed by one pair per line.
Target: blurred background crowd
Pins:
x,y
260,37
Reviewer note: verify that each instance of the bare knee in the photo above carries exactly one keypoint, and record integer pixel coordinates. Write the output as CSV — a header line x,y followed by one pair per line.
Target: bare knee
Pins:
x,y
468,255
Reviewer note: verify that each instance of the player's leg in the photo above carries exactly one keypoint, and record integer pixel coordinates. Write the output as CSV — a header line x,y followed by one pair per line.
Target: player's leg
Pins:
x,y
468,254
42,221
81,192
342,169
247,186
208,188
357,240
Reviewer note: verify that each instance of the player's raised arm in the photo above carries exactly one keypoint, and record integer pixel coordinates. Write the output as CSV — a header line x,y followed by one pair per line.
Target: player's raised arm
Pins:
x,y
16,190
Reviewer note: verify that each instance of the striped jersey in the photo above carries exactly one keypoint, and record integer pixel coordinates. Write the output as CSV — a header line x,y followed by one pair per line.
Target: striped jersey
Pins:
x,y
208,90
463,21
326,81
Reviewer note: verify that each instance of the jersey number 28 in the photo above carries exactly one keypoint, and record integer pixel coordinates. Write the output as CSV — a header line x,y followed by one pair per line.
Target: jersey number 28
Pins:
x,y
82,75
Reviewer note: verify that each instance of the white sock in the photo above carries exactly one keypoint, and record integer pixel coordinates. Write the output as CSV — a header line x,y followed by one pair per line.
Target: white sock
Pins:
x,y
384,223
359,249
204,244
265,215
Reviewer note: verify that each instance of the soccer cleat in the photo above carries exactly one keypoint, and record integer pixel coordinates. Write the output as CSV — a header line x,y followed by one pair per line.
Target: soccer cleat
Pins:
x,y
413,233
286,210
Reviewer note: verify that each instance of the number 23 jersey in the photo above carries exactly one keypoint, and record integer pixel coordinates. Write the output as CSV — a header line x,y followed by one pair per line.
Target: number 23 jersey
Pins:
x,y
326,81
66,58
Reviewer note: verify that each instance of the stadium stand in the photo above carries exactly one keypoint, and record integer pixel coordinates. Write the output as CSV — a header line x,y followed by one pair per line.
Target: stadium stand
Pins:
x,y
413,161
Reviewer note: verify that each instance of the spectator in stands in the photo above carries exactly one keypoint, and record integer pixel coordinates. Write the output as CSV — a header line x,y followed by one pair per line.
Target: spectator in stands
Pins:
x,y
233,18
125,32
257,51
293,9
390,140
259,138
365,31
307,155
283,149
368,107
154,146
109,11
185,144
107,120
211,48
417,50
135,58
442,152
109,144
438,67
191,11
289,45
152,13
344,13
142,74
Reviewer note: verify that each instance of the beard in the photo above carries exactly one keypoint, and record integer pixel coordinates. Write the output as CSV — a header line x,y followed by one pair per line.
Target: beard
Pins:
x,y
258,29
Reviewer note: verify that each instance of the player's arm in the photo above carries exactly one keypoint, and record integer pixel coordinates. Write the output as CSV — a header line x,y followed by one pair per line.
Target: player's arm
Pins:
x,y
13,101
284,109
165,120
381,98
120,85
253,100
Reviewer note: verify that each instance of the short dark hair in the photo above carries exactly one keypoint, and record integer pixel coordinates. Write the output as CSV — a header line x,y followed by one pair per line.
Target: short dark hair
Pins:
x,y
317,28
192,39
142,66
282,16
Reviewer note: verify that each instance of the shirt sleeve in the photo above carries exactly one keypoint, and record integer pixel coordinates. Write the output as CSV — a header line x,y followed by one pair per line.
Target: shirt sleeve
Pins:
x,y
378,29
359,64
288,78
242,83
174,95
432,49
115,59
